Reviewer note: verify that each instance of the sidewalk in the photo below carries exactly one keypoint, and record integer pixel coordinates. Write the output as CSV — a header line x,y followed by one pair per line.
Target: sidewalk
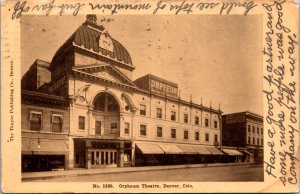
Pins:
x,y
85,172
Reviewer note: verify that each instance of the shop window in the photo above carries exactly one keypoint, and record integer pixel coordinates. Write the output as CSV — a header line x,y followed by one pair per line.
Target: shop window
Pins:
x,y
98,127
216,138
35,120
249,140
81,122
186,118
206,137
253,140
159,113
114,128
186,135
143,130
126,130
216,124
159,131
197,136
196,120
173,115
173,133
57,122
206,122
249,128
142,109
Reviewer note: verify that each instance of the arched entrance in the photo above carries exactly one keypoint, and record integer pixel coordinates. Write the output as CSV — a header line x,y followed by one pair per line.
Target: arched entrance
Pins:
x,y
106,114
104,150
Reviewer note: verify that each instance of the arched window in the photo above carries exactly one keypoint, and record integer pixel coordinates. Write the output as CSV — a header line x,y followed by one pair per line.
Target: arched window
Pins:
x,y
106,102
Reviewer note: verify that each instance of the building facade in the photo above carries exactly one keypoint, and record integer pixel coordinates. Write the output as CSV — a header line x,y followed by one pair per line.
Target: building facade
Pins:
x,y
83,110
244,130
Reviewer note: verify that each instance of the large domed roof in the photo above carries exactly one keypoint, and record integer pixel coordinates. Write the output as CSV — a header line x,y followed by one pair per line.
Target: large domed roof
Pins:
x,y
87,37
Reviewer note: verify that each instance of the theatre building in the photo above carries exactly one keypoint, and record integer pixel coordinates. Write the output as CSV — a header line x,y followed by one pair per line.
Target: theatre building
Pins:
x,y
244,131
83,110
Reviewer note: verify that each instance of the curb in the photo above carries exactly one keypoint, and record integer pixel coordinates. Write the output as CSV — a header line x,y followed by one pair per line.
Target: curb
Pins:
x,y
133,170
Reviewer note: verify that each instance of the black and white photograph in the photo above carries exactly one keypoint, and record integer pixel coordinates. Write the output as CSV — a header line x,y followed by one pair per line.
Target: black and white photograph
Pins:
x,y
140,96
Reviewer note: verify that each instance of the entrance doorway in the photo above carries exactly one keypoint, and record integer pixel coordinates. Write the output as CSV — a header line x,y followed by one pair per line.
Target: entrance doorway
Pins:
x,y
103,158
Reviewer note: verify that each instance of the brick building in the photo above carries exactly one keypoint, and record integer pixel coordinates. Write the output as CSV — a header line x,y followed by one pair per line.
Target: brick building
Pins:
x,y
244,130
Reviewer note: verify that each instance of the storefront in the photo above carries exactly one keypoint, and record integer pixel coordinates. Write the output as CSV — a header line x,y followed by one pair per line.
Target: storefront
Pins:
x,y
97,153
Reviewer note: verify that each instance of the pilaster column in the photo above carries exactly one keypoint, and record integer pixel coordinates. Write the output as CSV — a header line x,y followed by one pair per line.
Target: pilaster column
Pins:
x,y
121,155
133,154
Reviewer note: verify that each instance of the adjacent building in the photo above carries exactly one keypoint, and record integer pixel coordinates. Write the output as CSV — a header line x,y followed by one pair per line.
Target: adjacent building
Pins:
x,y
83,110
244,130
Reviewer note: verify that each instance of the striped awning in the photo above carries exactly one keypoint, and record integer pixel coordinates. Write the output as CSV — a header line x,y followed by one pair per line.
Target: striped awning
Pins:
x,y
42,145
232,152
149,148
214,151
187,149
201,150
170,149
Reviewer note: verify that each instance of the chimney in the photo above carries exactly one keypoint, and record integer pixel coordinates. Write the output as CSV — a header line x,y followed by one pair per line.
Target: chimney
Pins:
x,y
91,18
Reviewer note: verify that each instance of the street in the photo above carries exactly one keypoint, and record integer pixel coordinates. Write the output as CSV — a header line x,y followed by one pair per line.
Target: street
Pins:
x,y
251,172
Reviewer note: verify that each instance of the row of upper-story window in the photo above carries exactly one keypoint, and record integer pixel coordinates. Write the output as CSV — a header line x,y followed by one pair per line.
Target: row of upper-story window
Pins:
x,y
256,130
173,116
36,121
257,141
173,133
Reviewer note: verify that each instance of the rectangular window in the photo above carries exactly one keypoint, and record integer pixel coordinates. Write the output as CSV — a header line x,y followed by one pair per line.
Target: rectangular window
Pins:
x,y
114,128
206,137
159,113
253,140
81,122
98,127
159,131
216,124
262,141
35,120
173,133
249,140
216,138
126,130
186,135
257,141
143,130
257,130
142,109
196,120
206,122
253,129
173,115
261,131
57,121
197,136
249,130
186,118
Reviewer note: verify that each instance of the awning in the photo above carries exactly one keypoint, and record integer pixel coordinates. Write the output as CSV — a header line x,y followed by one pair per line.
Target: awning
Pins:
x,y
187,149
246,152
231,152
214,151
201,150
149,148
43,145
170,149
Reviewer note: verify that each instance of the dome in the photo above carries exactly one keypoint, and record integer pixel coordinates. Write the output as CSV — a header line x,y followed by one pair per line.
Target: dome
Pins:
x,y
92,37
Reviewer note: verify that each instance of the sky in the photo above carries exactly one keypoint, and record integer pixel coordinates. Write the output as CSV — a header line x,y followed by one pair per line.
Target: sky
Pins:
x,y
216,58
